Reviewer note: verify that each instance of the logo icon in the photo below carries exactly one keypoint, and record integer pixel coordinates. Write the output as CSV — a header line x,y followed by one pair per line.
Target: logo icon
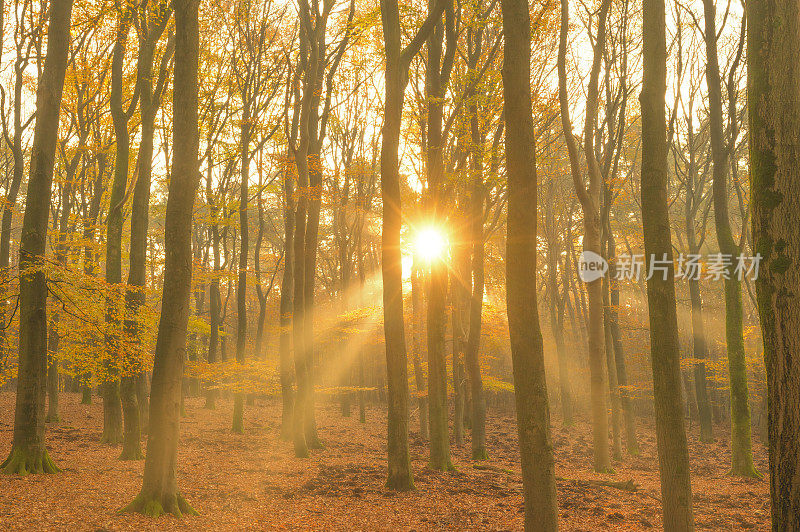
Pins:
x,y
591,266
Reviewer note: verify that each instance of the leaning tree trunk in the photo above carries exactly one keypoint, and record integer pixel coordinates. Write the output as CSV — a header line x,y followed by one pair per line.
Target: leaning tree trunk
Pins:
x,y
773,96
741,445
28,451
673,454
159,492
530,388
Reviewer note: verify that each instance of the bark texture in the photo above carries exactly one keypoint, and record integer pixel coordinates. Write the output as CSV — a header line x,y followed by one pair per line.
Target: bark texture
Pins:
x,y
773,96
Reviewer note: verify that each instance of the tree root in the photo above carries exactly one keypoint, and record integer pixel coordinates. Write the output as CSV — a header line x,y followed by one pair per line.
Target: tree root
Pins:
x,y
23,462
151,506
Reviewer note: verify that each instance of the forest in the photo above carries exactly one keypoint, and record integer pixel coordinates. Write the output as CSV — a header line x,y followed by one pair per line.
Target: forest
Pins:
x,y
400,265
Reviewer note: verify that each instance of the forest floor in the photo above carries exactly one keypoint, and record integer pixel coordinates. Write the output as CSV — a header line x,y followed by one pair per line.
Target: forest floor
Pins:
x,y
254,482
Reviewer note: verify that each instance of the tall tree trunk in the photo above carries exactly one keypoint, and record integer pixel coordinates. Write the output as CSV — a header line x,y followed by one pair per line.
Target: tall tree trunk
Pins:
x,y
28,451
437,75
159,492
471,355
241,286
112,404
10,203
673,455
214,296
741,446
416,349
773,96
132,383
61,260
629,420
398,61
556,309
530,387
287,285
590,204
700,353
477,267
459,299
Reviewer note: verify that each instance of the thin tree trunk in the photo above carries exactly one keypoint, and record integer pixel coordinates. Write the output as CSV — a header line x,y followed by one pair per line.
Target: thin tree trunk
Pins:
x,y
530,388
437,74
673,454
241,285
471,356
112,403
287,285
741,445
590,204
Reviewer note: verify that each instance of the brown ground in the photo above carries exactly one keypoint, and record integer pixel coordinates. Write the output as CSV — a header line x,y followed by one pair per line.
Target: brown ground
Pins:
x,y
253,481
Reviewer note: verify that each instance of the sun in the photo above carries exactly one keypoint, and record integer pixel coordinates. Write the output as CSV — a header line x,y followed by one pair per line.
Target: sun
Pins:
x,y
430,243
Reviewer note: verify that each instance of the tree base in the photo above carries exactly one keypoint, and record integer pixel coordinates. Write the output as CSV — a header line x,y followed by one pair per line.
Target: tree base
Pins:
x,y
21,462
301,451
131,453
154,507
400,483
314,443
52,418
745,472
447,466
480,454
111,439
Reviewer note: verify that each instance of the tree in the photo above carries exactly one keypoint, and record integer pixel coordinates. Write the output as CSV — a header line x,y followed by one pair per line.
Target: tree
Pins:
x,y
741,447
530,388
159,492
589,198
437,75
673,453
152,23
14,129
28,452
773,96
398,61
